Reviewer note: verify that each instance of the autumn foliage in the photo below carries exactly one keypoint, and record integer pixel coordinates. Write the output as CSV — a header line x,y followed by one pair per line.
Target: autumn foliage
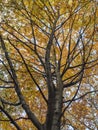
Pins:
x,y
48,64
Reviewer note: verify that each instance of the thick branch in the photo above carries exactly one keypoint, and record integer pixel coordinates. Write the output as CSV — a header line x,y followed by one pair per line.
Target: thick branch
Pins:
x,y
31,115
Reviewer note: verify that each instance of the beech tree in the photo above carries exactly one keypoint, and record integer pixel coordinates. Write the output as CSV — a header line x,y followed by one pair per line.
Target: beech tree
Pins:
x,y
48,64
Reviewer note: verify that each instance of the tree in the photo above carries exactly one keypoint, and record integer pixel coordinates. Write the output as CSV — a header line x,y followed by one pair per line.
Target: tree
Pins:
x,y
48,64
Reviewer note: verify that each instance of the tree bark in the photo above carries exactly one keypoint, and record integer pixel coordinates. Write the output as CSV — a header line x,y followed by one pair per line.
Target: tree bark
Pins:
x,y
55,106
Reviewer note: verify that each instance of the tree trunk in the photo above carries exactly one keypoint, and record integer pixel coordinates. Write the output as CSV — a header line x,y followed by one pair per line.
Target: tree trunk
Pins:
x,y
55,108
57,111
